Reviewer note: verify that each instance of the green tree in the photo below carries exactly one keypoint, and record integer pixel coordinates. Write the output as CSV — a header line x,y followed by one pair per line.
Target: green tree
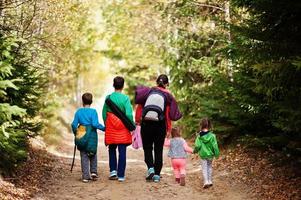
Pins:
x,y
45,46
196,36
133,33
12,136
267,60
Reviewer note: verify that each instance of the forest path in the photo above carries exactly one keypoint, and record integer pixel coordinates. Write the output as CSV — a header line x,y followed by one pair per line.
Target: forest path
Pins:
x,y
67,185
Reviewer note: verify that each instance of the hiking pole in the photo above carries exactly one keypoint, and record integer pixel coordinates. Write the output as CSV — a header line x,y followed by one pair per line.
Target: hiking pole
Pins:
x,y
73,158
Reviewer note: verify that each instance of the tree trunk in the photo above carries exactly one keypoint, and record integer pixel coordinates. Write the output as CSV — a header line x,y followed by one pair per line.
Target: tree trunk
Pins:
x,y
228,20
79,88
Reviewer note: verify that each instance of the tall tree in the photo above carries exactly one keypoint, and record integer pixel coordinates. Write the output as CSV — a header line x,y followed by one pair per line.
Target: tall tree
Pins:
x,y
196,35
44,46
267,59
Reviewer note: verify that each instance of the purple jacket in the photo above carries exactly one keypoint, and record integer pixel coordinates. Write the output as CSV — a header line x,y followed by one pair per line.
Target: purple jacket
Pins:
x,y
141,95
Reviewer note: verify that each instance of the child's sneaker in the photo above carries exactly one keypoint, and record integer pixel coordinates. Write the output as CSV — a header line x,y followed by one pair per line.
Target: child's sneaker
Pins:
x,y
205,186
156,178
113,175
182,180
94,176
178,180
150,174
85,180
121,179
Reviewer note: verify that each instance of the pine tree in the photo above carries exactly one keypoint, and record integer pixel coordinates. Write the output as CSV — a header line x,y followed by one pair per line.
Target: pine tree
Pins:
x,y
266,49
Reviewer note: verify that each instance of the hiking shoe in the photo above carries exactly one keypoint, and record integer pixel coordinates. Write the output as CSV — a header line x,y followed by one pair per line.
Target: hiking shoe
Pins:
x,y
205,186
94,176
182,180
156,178
178,180
85,180
150,174
113,175
121,179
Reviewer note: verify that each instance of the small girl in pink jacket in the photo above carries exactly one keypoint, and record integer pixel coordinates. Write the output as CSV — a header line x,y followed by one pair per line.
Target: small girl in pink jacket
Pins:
x,y
178,149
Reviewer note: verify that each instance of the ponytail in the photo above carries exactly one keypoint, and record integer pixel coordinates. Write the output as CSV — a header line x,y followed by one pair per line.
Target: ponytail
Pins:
x,y
160,83
162,80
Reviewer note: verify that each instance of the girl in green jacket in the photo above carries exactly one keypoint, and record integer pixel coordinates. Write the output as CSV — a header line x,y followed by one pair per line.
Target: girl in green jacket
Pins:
x,y
207,148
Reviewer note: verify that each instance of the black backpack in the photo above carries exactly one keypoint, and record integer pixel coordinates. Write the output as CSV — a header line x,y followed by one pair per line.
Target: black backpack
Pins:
x,y
155,105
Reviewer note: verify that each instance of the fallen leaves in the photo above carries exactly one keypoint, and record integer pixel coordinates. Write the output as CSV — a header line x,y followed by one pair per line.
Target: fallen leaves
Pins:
x,y
269,174
8,191
30,178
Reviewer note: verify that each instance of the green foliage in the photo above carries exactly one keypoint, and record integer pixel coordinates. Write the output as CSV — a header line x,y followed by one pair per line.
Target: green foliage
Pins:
x,y
245,75
12,137
133,31
237,62
48,54
268,60
13,149
197,65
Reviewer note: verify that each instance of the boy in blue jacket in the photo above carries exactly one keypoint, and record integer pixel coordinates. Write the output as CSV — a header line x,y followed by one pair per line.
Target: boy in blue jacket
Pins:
x,y
84,128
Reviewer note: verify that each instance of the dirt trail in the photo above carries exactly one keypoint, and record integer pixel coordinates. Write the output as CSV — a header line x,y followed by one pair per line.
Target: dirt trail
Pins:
x,y
66,185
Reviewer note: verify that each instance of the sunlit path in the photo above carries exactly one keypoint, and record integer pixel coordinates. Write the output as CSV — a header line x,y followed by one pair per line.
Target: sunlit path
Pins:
x,y
234,62
69,185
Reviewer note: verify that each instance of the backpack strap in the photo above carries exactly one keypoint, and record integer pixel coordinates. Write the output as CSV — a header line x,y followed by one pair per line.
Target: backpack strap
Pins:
x,y
156,109
121,115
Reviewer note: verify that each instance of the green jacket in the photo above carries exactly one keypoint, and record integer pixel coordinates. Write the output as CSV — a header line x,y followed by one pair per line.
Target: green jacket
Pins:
x,y
206,146
123,102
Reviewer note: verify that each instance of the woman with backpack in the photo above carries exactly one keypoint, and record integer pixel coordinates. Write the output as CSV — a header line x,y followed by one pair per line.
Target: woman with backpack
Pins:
x,y
156,109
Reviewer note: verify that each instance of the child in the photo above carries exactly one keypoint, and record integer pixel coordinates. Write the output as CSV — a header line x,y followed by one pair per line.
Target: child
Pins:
x,y
117,136
84,127
178,149
207,148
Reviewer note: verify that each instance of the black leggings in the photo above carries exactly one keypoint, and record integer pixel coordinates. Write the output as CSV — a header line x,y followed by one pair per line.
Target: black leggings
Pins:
x,y
153,135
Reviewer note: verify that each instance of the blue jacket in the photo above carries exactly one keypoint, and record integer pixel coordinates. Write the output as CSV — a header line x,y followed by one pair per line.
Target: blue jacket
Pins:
x,y
87,117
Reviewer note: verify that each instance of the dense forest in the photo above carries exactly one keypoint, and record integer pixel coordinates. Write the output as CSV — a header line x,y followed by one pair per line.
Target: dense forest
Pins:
x,y
47,52
237,62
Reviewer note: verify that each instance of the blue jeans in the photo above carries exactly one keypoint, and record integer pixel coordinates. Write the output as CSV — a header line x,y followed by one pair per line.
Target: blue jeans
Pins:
x,y
121,158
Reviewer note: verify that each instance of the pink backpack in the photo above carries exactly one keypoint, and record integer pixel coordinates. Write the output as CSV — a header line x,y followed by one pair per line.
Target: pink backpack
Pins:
x,y
136,138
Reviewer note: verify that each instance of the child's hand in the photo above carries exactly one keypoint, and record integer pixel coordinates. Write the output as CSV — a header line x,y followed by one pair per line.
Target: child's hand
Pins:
x,y
103,129
166,142
194,151
167,135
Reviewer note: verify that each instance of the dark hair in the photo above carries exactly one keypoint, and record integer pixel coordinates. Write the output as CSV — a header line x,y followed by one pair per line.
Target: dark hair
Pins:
x,y
118,82
162,80
87,98
175,132
205,123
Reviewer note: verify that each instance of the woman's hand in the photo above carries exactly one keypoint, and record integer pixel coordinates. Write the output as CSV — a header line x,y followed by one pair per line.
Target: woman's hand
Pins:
x,y
168,134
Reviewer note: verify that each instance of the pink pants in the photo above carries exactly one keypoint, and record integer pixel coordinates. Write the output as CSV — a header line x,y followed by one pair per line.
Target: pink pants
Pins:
x,y
179,166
